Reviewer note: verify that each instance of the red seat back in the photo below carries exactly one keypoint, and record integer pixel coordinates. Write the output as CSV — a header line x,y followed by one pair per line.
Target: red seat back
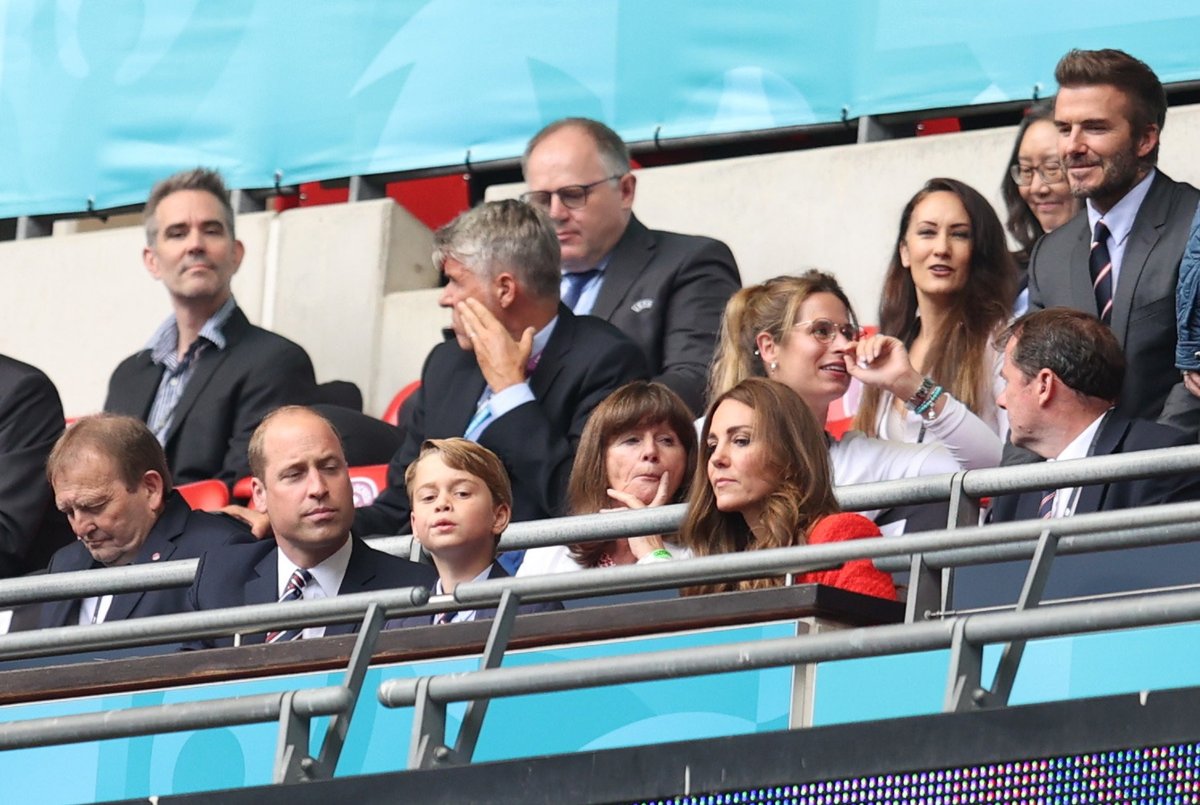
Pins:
x,y
206,496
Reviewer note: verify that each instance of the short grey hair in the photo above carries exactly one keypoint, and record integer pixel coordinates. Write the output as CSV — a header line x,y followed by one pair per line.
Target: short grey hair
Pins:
x,y
506,235
614,154
204,179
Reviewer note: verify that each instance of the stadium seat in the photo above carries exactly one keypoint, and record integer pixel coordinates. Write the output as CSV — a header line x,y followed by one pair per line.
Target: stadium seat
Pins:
x,y
207,495
392,414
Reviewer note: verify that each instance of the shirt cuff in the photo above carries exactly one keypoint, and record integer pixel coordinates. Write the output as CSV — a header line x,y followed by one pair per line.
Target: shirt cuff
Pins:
x,y
504,401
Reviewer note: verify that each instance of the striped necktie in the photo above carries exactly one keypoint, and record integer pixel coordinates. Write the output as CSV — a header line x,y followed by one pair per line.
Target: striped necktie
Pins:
x,y
1100,266
1046,507
294,591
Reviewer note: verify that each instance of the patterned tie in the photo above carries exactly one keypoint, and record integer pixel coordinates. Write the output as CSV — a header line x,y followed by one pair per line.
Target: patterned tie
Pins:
x,y
1046,508
576,281
294,591
1100,265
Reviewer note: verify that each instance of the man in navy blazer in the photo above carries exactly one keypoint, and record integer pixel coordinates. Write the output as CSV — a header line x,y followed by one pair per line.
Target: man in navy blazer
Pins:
x,y
521,374
1063,371
664,290
208,376
110,477
302,483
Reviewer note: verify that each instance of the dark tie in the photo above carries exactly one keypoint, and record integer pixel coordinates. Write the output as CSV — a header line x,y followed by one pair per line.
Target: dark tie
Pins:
x,y
576,281
1100,265
294,591
1046,507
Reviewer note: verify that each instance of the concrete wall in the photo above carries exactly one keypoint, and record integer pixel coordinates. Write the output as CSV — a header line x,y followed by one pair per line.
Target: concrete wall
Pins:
x,y
354,283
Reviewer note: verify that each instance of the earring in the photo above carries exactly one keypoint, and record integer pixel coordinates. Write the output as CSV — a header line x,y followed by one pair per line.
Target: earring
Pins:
x,y
773,366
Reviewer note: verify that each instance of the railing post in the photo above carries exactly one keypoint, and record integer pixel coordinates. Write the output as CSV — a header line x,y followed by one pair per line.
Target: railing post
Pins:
x,y
924,590
493,655
356,672
292,761
428,745
963,689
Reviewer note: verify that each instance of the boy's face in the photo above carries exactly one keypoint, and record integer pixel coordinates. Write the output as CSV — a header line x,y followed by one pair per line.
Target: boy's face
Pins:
x,y
452,510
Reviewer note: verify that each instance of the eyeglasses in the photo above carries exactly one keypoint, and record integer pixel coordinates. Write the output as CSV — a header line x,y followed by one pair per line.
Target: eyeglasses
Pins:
x,y
573,196
1051,173
827,331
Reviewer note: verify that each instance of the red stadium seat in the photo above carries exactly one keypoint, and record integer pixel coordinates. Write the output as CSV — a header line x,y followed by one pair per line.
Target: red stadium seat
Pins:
x,y
392,414
205,495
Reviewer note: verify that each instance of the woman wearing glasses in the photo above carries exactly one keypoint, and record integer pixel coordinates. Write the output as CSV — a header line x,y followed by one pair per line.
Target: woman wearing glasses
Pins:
x,y
932,372
1035,190
801,331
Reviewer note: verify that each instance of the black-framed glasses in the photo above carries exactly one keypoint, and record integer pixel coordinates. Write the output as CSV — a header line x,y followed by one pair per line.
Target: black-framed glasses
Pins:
x,y
827,331
1051,173
573,196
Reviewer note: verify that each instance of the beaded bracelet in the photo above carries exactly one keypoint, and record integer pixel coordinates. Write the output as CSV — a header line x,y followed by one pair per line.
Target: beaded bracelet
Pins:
x,y
928,404
921,395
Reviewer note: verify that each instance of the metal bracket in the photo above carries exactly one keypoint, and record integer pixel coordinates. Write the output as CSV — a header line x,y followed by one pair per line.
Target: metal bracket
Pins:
x,y
924,590
364,188
493,655
356,672
428,745
292,761
963,689
964,511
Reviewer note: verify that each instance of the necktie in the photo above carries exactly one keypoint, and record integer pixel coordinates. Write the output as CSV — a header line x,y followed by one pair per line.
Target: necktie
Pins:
x,y
1100,265
294,591
576,281
1046,508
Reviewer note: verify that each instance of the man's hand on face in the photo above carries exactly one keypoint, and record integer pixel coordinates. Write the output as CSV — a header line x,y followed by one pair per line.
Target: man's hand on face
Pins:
x,y
501,358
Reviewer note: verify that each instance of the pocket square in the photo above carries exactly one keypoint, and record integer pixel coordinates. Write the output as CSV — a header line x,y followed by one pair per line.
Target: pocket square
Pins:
x,y
641,304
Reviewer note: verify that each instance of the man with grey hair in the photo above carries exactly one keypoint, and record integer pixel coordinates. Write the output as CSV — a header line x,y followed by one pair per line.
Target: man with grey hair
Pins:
x,y
664,290
521,374
207,376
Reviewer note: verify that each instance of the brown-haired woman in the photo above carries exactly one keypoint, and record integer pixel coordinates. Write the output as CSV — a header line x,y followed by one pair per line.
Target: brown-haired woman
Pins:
x,y
637,449
767,483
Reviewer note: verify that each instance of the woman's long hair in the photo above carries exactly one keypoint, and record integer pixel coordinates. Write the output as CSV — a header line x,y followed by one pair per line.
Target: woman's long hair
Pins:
x,y
635,405
796,455
771,307
1022,223
979,310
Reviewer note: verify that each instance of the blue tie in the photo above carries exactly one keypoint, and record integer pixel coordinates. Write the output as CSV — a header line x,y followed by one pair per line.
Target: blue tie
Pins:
x,y
576,282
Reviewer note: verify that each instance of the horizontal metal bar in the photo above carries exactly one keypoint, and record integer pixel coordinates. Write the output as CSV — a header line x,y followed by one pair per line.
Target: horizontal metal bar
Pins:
x,y
101,581
210,623
1081,471
874,641
170,718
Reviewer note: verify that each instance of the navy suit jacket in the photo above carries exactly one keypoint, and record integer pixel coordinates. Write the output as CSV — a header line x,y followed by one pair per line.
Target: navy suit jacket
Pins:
x,y
1143,314
179,533
667,292
497,572
228,394
1097,572
249,574
584,361
31,420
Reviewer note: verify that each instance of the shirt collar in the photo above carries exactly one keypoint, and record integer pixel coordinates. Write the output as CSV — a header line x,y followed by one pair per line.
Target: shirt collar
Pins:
x,y
486,574
600,267
542,337
1081,445
327,576
165,340
1119,219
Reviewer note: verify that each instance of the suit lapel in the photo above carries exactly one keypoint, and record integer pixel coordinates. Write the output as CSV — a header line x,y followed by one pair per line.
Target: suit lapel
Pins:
x,y
554,355
158,547
629,258
359,573
66,613
1108,441
206,366
1147,226
1082,296
138,391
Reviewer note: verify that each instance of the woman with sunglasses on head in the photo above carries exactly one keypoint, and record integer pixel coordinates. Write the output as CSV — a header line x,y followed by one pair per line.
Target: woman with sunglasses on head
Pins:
x,y
800,331
932,372
1035,190
766,482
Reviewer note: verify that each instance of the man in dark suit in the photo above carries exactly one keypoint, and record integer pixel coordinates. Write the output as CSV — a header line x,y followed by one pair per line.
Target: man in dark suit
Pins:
x,y
664,290
207,376
111,478
31,418
1110,111
521,374
1063,371
302,483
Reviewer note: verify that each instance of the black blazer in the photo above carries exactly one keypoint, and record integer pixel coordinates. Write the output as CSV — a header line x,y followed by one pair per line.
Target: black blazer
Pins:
x,y
227,396
248,574
1143,315
585,360
497,572
179,533
1108,571
31,420
667,292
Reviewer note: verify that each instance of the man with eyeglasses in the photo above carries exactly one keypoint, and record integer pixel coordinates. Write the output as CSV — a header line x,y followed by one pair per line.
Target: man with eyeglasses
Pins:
x,y
664,290
1119,257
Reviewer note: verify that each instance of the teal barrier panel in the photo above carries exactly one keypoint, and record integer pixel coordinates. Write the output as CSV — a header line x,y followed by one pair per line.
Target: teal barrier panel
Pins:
x,y
100,99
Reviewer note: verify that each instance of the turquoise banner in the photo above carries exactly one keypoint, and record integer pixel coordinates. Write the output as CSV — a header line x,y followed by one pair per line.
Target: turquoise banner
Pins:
x,y
100,99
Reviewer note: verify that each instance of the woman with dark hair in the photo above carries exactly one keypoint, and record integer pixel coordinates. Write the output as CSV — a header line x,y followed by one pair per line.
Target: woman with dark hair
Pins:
x,y
949,288
636,450
768,483
1035,189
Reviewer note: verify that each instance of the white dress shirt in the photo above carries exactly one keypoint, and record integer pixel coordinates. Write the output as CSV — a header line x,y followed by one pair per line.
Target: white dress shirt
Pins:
x,y
326,580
